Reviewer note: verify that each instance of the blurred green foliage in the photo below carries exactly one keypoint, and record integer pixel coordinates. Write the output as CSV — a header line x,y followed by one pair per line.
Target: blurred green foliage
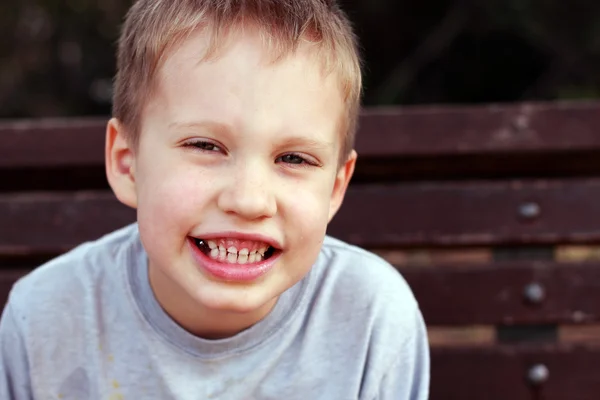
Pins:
x,y
57,57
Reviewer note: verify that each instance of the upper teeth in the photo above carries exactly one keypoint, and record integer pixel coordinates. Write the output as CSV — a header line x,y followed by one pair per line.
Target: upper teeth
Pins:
x,y
233,255
233,250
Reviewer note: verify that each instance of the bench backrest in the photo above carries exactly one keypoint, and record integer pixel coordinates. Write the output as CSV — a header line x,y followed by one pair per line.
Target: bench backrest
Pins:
x,y
491,213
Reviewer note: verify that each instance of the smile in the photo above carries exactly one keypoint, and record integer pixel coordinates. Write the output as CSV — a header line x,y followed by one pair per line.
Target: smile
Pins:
x,y
235,251
240,259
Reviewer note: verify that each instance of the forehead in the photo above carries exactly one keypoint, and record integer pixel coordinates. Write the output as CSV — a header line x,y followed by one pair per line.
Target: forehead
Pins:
x,y
246,87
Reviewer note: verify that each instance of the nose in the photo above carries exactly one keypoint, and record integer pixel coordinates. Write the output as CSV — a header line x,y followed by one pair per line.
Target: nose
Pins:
x,y
248,193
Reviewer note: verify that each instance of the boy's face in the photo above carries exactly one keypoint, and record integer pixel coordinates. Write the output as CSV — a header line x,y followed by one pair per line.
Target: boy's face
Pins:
x,y
236,153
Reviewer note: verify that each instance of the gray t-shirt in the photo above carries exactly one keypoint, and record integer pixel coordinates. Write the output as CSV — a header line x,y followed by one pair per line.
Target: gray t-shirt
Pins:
x,y
86,325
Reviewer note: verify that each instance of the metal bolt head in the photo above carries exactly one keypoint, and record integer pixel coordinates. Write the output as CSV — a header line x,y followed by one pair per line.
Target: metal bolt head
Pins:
x,y
520,123
529,210
534,293
538,374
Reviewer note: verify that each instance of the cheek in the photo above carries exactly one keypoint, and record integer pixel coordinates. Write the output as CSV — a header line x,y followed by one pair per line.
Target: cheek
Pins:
x,y
307,214
168,198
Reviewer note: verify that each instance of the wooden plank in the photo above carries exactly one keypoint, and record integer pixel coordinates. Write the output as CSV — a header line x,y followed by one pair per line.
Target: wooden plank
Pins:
x,y
486,335
51,223
577,253
500,372
418,257
53,179
461,336
384,132
470,213
52,143
579,334
420,214
477,166
454,130
495,294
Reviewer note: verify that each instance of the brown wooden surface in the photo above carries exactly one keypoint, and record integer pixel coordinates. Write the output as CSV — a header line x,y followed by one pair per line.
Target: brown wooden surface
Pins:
x,y
52,143
469,213
384,132
494,294
499,373
51,223
372,216
526,128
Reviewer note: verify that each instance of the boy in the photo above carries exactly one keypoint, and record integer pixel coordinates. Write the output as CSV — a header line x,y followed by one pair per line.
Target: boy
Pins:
x,y
232,137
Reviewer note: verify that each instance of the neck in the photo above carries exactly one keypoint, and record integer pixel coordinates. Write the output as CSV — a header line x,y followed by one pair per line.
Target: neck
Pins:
x,y
199,320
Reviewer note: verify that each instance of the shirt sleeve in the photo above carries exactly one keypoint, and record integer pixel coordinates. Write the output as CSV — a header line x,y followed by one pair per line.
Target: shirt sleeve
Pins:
x,y
408,379
14,366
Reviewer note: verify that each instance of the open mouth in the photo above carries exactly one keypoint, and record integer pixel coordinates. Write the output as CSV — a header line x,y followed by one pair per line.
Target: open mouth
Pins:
x,y
235,251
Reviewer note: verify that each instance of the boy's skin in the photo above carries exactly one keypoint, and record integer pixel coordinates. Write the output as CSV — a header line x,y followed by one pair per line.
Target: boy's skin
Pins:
x,y
271,136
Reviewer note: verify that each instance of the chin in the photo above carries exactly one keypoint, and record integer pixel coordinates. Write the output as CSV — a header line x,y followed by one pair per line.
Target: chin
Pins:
x,y
231,302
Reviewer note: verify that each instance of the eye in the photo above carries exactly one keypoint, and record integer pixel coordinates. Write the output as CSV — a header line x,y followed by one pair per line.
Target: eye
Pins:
x,y
204,145
297,160
292,159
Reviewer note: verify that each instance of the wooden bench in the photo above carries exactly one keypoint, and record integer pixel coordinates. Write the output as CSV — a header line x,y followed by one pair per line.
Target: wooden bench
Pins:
x,y
491,213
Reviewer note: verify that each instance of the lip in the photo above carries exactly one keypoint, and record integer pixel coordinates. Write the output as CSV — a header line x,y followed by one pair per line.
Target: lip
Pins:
x,y
241,236
242,273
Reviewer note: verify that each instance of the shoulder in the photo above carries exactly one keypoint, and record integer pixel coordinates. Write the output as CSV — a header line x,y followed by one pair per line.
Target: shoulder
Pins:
x,y
368,299
369,290
62,284
366,275
387,322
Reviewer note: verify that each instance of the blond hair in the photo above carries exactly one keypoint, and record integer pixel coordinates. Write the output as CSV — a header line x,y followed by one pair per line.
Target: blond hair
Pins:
x,y
153,28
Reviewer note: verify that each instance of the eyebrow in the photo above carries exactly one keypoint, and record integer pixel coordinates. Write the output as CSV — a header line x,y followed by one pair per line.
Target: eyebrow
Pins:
x,y
213,126
303,141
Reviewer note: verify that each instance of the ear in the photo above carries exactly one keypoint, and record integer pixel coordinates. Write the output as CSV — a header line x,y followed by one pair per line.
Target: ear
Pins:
x,y
120,163
341,184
